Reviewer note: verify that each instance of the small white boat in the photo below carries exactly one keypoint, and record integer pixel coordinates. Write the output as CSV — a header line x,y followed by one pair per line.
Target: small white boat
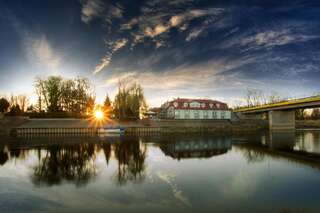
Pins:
x,y
111,129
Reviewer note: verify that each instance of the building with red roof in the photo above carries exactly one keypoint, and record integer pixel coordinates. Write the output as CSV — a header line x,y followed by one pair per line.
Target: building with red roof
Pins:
x,y
185,108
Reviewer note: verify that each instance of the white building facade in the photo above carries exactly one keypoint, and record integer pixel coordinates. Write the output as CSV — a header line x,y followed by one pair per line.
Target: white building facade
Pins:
x,y
195,109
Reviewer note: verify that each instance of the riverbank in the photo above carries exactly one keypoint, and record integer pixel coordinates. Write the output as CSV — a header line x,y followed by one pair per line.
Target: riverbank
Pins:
x,y
85,126
302,124
7,124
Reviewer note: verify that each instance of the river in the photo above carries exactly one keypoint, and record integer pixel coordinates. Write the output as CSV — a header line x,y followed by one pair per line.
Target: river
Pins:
x,y
263,172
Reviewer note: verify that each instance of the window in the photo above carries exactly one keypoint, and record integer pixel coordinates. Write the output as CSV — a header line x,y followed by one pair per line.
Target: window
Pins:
x,y
196,114
187,114
205,114
177,114
218,106
223,115
175,104
214,114
185,104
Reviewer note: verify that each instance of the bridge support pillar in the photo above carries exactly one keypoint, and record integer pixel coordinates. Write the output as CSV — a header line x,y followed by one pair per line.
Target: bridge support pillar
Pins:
x,y
282,120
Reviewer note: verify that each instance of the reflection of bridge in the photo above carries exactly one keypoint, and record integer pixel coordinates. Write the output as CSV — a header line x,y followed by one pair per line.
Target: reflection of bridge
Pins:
x,y
299,147
196,148
282,114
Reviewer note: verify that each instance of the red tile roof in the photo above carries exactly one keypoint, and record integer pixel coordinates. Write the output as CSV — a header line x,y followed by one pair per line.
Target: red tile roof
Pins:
x,y
205,104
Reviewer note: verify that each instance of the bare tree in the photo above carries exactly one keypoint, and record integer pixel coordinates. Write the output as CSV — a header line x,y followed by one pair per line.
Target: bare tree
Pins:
x,y
22,101
256,97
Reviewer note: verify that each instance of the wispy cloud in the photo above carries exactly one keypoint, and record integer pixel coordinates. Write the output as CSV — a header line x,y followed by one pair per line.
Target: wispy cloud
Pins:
x,y
40,51
98,9
91,9
168,46
105,61
185,76
194,34
275,38
152,25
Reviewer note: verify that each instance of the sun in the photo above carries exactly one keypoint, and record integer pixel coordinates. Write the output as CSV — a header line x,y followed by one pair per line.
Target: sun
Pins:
x,y
98,114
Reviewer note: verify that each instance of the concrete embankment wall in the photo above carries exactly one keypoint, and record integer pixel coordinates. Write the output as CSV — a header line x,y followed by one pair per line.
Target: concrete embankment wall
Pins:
x,y
81,126
193,126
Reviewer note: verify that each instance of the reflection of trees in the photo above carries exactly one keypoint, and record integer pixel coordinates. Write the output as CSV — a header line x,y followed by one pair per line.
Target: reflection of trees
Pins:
x,y
107,151
131,161
18,154
252,156
3,157
72,163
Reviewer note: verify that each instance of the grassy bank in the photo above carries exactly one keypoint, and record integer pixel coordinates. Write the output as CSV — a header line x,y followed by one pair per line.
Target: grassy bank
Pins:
x,y
308,124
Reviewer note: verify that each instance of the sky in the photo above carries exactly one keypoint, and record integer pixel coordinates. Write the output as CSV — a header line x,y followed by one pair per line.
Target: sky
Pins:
x,y
174,48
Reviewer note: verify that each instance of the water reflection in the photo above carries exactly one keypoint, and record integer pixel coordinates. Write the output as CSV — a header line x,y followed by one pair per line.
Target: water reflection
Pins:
x,y
271,171
308,141
67,163
300,147
195,147
284,140
74,159
131,155
4,157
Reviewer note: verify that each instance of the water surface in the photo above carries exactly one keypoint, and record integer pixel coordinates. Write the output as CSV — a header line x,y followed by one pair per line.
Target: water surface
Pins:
x,y
265,172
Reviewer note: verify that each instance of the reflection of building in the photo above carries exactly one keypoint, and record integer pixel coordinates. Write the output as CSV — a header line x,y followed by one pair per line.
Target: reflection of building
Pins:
x,y
182,108
196,148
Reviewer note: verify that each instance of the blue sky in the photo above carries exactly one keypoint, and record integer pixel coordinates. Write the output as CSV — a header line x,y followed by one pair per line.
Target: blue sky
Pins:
x,y
176,48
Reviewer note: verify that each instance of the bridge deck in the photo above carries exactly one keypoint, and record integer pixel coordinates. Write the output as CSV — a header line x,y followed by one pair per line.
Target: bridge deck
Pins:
x,y
313,101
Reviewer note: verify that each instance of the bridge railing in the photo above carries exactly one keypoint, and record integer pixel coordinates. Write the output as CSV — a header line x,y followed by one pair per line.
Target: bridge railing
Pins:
x,y
279,103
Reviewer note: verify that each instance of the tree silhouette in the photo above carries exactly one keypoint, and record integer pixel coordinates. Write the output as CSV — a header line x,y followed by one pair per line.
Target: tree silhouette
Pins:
x,y
3,157
4,105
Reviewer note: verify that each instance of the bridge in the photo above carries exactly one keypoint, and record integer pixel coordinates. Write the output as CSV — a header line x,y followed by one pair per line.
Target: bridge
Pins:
x,y
282,114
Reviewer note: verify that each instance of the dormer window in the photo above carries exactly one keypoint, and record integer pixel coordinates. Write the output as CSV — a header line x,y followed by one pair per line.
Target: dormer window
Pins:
x,y
211,105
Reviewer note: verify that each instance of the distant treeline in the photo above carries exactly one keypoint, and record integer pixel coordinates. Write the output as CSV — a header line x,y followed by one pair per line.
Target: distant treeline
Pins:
x,y
56,94
59,97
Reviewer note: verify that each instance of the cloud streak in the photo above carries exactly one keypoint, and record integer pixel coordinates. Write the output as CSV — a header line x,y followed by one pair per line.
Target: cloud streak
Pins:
x,y
152,25
273,38
105,61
